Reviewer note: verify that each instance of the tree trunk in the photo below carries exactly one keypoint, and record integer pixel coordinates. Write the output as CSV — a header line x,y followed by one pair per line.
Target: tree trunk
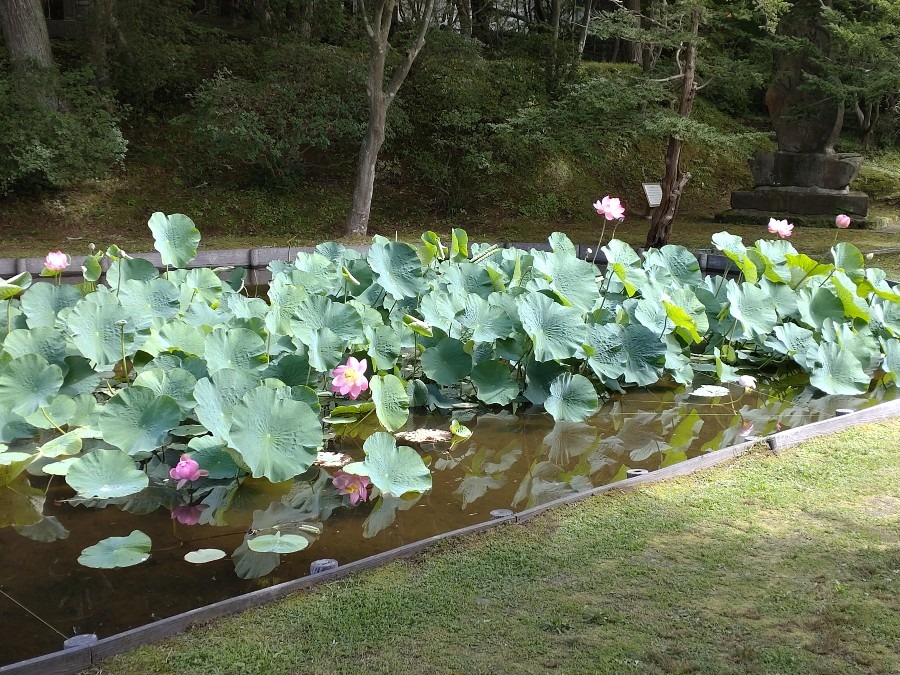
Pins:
x,y
381,96
634,50
585,26
555,67
25,32
674,180
464,10
104,32
867,119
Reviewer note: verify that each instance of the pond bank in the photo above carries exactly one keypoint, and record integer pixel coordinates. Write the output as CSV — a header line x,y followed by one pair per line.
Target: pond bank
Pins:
x,y
783,563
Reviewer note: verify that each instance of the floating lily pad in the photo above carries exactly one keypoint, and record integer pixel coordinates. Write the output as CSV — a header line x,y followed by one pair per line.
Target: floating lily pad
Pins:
x,y
278,543
204,555
393,470
710,391
115,552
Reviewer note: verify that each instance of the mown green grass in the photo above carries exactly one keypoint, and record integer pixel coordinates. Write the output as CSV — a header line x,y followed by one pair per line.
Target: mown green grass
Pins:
x,y
772,564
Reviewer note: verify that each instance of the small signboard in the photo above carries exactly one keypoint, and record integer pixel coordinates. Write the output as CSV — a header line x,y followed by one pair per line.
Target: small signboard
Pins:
x,y
654,194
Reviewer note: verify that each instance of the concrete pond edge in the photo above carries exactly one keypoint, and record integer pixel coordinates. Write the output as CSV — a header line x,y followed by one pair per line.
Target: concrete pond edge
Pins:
x,y
72,661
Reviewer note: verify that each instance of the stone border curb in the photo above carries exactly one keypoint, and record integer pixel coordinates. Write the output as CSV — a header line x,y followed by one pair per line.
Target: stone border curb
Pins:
x,y
70,662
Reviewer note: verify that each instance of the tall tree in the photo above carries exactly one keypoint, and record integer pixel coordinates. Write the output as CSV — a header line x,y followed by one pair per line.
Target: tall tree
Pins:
x,y
675,179
381,96
25,32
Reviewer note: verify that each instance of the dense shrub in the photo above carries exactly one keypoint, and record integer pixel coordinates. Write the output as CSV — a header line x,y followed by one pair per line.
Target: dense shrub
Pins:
x,y
452,100
42,146
305,98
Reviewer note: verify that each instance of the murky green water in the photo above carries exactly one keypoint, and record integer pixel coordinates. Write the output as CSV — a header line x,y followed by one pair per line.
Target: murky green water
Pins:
x,y
511,461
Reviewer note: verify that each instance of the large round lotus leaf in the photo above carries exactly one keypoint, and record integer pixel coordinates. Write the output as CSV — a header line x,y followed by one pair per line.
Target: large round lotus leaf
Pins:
x,y
651,313
48,530
681,264
197,284
819,305
293,370
845,288
277,437
849,258
494,383
277,543
572,398
391,401
96,330
10,288
122,270
43,301
13,426
393,470
839,371
574,280
483,321
606,356
27,383
317,274
60,468
137,420
539,375
556,332
447,362
753,307
285,299
175,237
236,348
384,346
177,383
12,464
115,552
797,342
319,312
399,269
464,278
145,300
325,349
106,474
733,247
439,308
48,342
216,398
644,355
204,555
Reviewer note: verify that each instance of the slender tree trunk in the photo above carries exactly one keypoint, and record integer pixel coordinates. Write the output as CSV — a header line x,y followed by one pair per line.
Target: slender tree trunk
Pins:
x,y
25,32
634,50
555,67
381,96
464,10
585,25
104,32
867,119
675,180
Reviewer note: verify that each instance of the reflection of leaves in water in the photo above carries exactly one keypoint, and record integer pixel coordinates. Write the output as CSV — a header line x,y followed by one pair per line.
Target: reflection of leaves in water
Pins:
x,y
385,511
278,517
568,440
150,498
610,452
232,504
472,488
47,530
639,437
316,497
20,504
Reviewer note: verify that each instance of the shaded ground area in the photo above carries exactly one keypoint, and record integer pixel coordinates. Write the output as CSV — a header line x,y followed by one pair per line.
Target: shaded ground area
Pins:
x,y
773,564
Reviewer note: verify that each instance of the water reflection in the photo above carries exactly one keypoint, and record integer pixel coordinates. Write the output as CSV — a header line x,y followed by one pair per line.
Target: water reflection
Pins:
x,y
510,461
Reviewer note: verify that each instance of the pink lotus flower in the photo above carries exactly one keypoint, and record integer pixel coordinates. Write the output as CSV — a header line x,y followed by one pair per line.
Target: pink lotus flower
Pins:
x,y
610,207
350,379
186,470
780,227
842,221
56,261
188,514
353,485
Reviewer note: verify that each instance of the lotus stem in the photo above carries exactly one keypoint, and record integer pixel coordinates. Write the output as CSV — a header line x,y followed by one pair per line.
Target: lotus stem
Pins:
x,y
50,419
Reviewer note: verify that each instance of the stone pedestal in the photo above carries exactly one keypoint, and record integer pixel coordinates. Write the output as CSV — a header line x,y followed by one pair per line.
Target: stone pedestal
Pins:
x,y
802,184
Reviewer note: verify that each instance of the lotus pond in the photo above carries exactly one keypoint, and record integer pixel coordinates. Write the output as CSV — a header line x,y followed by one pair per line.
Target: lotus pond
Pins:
x,y
168,440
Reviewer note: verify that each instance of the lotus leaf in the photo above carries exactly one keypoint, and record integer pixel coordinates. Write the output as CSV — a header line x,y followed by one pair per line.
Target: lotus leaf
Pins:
x,y
44,301
138,421
447,362
494,383
234,348
12,464
753,307
391,401
573,280
556,332
466,278
277,543
393,470
839,371
204,555
106,474
538,376
732,246
48,530
572,398
175,237
27,383
115,552
10,288
399,269
47,342
277,437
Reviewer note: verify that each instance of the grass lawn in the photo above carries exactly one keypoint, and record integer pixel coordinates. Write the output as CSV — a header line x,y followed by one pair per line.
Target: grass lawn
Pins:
x,y
773,564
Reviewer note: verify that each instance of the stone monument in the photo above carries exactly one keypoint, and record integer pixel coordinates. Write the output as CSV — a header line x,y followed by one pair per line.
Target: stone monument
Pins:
x,y
805,177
